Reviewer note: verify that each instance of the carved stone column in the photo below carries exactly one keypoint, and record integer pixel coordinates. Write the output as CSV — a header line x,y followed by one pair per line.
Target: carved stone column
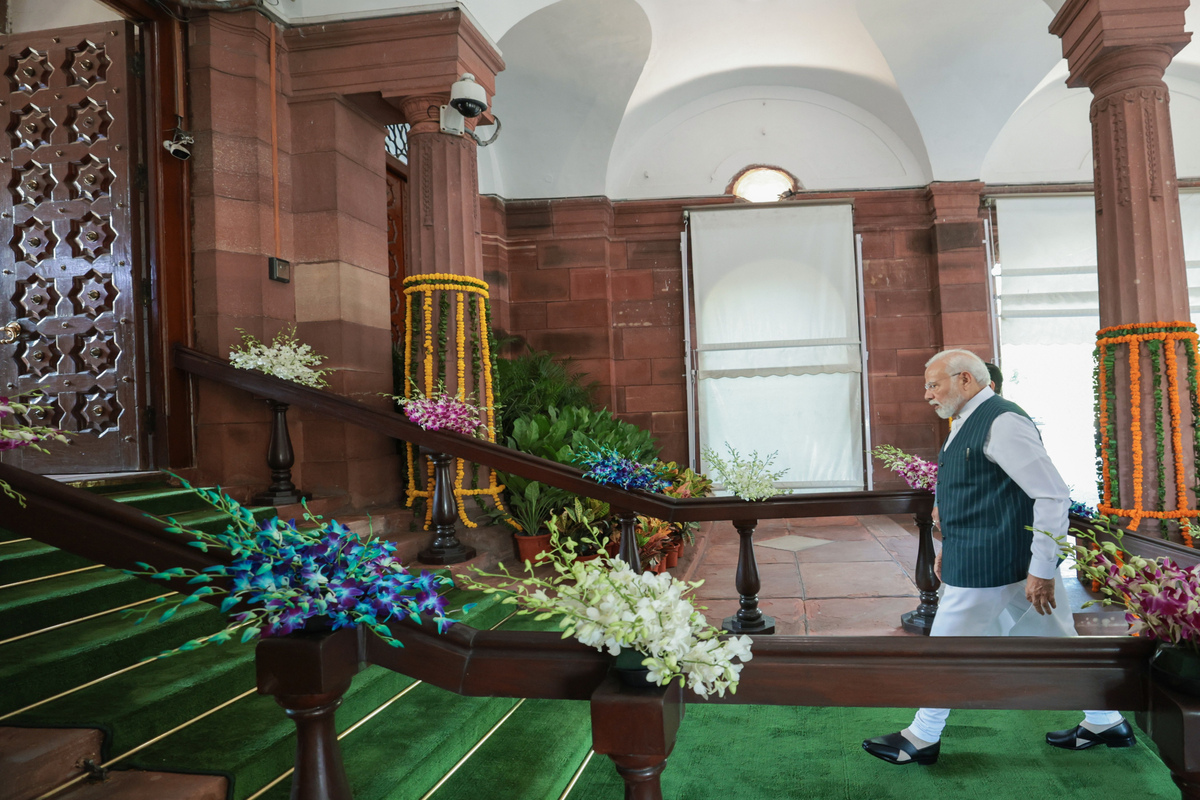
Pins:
x,y
1120,50
442,218
960,268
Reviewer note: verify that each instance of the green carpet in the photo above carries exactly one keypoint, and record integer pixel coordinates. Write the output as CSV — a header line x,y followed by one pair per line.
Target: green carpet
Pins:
x,y
757,752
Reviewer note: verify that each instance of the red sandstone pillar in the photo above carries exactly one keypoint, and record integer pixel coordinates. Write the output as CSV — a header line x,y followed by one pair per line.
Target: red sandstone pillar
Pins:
x,y
1119,49
963,286
443,185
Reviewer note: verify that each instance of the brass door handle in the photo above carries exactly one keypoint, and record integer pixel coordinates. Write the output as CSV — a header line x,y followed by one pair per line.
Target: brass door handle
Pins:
x,y
11,331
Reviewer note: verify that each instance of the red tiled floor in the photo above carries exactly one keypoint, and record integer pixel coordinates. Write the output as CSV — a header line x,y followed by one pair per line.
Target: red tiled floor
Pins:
x,y
856,579
870,550
788,613
727,553
868,616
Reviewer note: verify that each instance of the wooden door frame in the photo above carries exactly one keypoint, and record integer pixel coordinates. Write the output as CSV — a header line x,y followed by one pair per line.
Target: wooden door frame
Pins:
x,y
168,249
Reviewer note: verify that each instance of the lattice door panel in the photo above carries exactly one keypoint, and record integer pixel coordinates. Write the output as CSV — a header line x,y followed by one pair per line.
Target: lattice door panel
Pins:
x,y
69,234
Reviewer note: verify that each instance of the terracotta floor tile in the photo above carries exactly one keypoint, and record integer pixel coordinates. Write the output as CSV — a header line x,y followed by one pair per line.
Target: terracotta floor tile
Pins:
x,y
870,550
788,613
821,522
856,579
777,580
846,533
727,553
885,527
873,616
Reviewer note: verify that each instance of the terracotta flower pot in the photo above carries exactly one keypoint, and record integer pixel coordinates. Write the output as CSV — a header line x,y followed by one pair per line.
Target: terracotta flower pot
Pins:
x,y
529,547
671,554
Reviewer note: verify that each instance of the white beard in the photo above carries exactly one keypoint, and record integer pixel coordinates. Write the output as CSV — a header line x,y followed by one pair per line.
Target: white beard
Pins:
x,y
952,406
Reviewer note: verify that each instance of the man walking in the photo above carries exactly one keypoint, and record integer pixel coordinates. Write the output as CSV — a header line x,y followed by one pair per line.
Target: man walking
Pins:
x,y
995,481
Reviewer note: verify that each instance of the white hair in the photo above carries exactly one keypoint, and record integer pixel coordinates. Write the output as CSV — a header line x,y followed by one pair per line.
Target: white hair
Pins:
x,y
963,361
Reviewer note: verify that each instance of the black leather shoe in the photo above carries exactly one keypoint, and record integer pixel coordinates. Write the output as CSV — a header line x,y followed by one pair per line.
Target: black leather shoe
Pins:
x,y
1080,738
889,748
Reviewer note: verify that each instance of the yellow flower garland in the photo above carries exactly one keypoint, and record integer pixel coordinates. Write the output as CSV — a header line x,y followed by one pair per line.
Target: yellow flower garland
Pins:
x,y
460,285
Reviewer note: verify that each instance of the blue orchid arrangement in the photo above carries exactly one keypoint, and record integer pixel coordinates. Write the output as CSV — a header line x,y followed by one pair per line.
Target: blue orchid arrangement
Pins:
x,y
282,576
605,465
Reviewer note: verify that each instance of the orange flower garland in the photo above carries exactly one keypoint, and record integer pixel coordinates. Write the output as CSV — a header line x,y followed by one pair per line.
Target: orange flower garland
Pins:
x,y
1133,336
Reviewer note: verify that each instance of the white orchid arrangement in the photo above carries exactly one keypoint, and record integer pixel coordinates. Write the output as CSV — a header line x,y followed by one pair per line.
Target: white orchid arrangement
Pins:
x,y
286,357
748,478
606,605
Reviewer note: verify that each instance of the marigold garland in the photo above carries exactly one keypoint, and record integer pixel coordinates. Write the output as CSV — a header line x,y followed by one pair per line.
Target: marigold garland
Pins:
x,y
1154,334
428,358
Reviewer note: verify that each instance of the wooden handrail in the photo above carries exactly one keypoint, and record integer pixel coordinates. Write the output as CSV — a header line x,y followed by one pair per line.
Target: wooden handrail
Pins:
x,y
549,472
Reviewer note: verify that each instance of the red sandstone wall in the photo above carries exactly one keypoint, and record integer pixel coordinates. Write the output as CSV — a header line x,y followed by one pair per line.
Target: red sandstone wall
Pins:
x,y
600,282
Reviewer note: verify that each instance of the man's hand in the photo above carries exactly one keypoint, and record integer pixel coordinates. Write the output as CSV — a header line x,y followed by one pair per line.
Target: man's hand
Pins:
x,y
1040,594
937,566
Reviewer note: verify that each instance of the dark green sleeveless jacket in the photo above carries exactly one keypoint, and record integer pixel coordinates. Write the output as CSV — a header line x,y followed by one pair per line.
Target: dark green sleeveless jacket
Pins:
x,y
985,516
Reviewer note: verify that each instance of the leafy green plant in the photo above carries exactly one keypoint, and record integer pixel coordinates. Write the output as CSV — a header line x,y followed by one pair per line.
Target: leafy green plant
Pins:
x,y
532,383
559,434
584,521
533,504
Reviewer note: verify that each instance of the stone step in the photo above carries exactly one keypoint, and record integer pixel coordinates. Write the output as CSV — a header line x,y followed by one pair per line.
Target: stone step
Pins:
x,y
35,760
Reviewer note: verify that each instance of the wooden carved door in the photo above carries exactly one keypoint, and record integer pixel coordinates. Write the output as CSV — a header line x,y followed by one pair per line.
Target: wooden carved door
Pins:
x,y
69,324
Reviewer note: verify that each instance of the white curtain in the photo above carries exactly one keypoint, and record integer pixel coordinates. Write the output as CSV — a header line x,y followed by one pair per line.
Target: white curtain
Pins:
x,y
779,353
1049,313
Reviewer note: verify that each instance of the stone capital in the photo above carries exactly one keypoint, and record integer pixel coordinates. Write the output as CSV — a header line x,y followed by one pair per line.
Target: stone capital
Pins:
x,y
954,201
422,112
1092,30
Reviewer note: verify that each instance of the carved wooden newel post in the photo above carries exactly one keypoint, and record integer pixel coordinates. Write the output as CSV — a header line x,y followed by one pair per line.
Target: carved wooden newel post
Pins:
x,y
308,673
629,547
445,547
636,728
749,619
280,459
920,620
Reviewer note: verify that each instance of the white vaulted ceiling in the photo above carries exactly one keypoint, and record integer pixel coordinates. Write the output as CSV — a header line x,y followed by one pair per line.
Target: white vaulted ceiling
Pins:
x,y
669,98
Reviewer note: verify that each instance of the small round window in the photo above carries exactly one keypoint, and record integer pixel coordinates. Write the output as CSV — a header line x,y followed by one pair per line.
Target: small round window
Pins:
x,y
763,184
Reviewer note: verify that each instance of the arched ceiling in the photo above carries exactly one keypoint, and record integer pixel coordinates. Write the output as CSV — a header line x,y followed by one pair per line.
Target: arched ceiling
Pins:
x,y
663,98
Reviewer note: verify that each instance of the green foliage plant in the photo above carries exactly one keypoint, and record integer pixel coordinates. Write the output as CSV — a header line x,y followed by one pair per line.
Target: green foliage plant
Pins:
x,y
585,521
532,383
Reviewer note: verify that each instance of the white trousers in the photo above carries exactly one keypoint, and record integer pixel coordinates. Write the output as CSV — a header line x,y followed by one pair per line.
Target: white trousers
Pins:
x,y
997,611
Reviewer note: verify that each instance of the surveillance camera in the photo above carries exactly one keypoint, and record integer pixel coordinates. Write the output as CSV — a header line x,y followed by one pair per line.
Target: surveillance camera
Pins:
x,y
177,149
177,145
467,97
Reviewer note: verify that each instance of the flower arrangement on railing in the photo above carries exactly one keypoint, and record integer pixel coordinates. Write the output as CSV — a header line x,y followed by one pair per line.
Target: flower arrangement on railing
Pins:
x,y
1161,599
916,471
606,605
749,478
1081,509
282,576
441,411
606,466
286,357
20,435
1161,341
436,304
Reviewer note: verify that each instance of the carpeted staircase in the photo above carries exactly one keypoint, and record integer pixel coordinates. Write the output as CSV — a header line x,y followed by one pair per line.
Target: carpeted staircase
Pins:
x,y
87,710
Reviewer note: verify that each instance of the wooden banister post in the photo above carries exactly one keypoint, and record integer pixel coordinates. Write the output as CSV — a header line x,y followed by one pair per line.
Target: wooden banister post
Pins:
x,y
280,458
920,620
1173,722
445,547
748,619
308,673
629,547
636,728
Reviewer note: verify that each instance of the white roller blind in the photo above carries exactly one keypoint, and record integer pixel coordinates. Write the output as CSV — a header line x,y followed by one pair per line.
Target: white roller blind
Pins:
x,y
779,361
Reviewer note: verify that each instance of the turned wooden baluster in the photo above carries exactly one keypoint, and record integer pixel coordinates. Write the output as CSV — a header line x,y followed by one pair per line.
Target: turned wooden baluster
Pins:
x,y
748,619
920,620
636,728
308,673
445,547
280,459
629,548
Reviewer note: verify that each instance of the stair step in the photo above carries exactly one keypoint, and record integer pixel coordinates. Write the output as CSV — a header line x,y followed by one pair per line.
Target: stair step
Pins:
x,y
138,705
21,561
210,520
561,731
46,664
159,500
142,785
9,536
33,606
35,760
